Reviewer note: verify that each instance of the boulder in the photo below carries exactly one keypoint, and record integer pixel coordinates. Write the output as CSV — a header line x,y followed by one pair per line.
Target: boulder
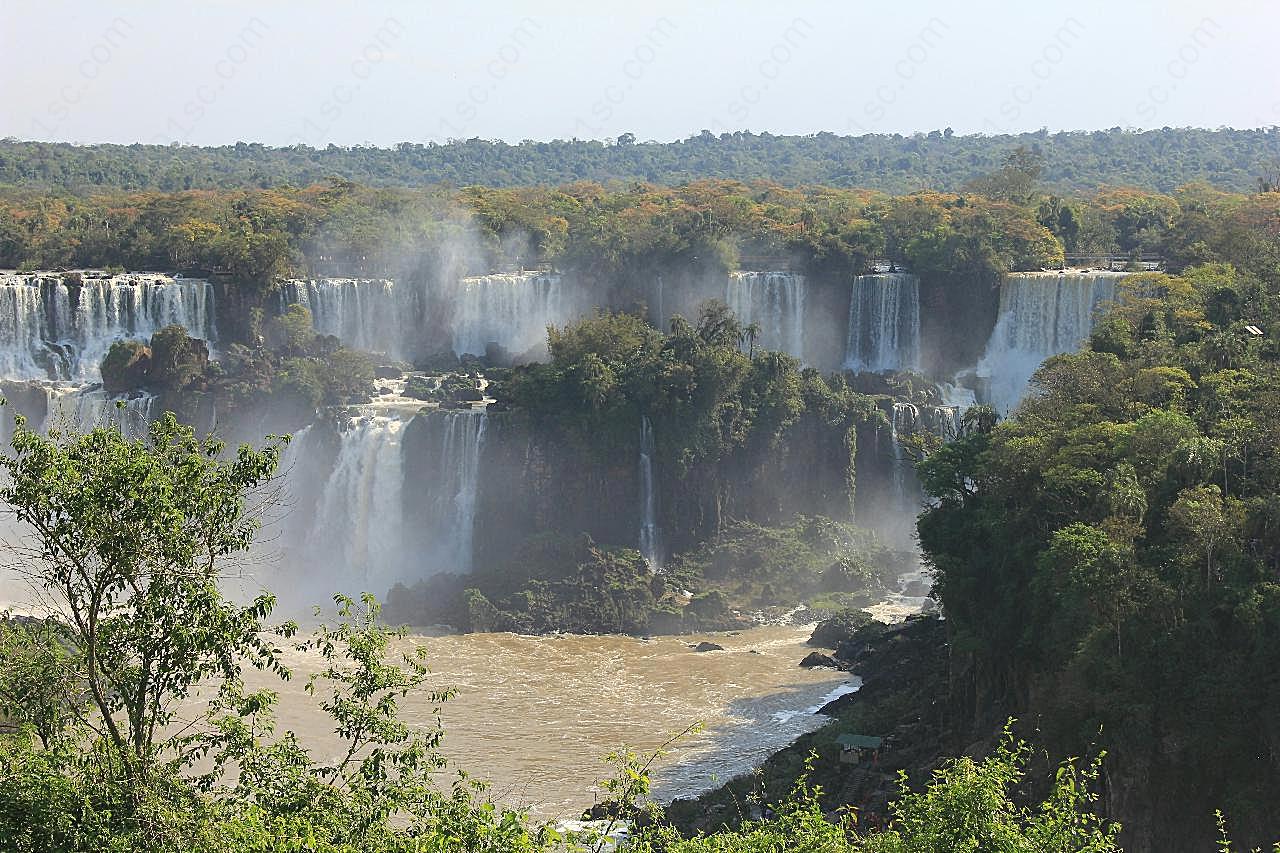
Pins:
x,y
818,659
127,366
841,627
704,646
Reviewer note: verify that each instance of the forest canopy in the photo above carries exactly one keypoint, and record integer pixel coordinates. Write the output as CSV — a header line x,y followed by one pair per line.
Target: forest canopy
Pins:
x,y
1159,160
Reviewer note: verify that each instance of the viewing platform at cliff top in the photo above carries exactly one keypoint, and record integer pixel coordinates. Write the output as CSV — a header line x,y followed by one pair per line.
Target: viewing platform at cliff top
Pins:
x,y
784,263
1116,263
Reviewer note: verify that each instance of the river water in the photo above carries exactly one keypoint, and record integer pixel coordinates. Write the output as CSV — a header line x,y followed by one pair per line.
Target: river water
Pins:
x,y
536,715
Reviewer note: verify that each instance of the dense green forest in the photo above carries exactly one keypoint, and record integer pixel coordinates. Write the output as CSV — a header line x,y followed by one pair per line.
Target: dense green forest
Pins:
x,y
1160,160
1109,558
1003,220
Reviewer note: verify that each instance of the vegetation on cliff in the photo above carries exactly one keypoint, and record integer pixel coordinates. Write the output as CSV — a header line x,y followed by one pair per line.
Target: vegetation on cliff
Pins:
x,y
732,428
561,583
1109,559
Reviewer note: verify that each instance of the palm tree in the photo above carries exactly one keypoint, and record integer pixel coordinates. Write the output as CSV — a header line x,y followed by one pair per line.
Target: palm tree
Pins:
x,y
750,334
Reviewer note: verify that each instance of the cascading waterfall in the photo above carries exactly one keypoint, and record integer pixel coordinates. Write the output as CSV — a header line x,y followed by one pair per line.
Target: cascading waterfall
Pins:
x,y
458,438
944,421
773,301
85,410
905,418
957,395
1041,314
509,309
369,530
660,315
650,538
371,314
354,544
884,323
68,407
53,327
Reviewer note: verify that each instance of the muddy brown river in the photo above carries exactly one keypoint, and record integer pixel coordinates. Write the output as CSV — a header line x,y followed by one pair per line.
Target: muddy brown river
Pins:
x,y
536,715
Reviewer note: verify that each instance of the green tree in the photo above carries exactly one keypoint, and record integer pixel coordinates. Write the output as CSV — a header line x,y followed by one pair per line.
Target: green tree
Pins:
x,y
39,676
292,332
131,542
1208,520
347,375
968,807
176,357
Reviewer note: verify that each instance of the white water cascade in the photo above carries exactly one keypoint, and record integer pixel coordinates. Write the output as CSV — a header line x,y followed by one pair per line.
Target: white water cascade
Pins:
x,y
53,326
1041,314
884,323
355,535
775,302
370,529
904,421
456,438
509,309
86,410
650,536
370,314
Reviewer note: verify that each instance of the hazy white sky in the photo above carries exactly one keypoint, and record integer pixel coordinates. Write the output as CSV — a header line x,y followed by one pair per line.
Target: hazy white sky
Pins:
x,y
323,71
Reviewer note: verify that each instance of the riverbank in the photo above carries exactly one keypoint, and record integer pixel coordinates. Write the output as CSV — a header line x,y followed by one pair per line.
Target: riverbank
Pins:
x,y
901,704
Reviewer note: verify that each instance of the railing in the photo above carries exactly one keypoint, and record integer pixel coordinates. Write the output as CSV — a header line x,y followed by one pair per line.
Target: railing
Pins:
x,y
1115,262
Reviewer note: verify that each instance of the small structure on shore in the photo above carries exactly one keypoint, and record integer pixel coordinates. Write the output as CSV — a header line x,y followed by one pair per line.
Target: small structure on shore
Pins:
x,y
855,748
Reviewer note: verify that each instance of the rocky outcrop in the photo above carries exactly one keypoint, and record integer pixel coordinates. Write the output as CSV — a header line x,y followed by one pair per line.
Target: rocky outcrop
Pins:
x,y
126,366
815,659
842,627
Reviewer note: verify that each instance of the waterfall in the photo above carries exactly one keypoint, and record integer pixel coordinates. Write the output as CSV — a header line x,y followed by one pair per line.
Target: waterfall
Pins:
x,y
774,301
957,395
905,418
512,310
370,314
945,422
884,323
1040,315
52,327
26,327
354,540
455,439
650,535
86,410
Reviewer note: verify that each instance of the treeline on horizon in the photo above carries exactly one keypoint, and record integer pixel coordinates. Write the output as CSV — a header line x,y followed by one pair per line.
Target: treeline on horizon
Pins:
x,y
1159,160
1002,220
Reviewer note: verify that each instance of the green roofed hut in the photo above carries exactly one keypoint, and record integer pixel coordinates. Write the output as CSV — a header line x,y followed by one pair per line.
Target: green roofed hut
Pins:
x,y
854,748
